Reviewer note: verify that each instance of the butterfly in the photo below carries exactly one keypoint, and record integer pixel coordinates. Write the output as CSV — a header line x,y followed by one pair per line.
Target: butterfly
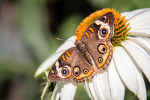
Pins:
x,y
91,54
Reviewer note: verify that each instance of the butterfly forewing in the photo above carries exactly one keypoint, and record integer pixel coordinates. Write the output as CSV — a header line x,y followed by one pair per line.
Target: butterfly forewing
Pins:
x,y
101,29
61,70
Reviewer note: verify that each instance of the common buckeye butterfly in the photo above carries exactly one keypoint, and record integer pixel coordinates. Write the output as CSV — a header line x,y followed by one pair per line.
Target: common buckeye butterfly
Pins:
x,y
91,54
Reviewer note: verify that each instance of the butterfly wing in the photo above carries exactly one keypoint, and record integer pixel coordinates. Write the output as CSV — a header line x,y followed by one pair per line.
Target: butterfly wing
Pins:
x,y
97,40
101,29
102,53
71,65
61,70
82,67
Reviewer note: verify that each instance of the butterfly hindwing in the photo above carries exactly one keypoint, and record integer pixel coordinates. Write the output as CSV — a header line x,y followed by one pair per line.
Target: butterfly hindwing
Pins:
x,y
101,53
82,68
72,65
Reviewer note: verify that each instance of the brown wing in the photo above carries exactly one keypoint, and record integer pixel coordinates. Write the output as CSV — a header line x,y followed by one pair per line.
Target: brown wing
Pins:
x,y
101,29
82,67
97,40
71,65
101,52
61,70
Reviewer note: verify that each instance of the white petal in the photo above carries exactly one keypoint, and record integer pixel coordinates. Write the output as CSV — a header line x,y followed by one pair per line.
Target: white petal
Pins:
x,y
140,34
57,96
90,90
51,60
144,43
125,69
56,92
86,86
116,85
101,86
68,44
131,14
129,73
68,91
139,22
45,90
141,93
64,91
48,63
140,56
125,14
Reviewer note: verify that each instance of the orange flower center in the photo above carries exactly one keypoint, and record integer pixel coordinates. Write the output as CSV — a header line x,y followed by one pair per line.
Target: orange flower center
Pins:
x,y
121,25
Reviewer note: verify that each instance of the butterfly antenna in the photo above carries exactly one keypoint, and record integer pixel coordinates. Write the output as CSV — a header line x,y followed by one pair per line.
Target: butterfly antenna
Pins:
x,y
64,40
60,39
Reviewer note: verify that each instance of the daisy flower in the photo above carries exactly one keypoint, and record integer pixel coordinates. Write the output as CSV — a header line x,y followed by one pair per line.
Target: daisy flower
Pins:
x,y
131,59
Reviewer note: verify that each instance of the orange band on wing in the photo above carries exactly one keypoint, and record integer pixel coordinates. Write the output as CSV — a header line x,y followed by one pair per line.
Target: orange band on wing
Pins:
x,y
84,75
63,58
87,34
68,54
91,29
68,75
105,57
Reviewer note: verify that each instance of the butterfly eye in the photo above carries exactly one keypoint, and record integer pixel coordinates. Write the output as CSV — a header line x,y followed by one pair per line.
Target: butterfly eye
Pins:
x,y
85,71
102,48
64,71
76,71
100,59
103,32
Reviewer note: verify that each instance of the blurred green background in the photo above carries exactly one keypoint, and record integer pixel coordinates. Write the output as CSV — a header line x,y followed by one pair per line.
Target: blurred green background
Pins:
x,y
28,35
